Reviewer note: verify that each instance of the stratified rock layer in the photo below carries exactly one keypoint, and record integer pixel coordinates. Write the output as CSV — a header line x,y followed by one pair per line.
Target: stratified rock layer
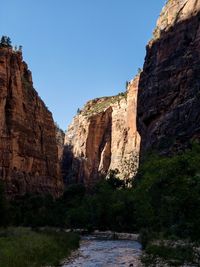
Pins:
x,y
169,87
28,149
103,136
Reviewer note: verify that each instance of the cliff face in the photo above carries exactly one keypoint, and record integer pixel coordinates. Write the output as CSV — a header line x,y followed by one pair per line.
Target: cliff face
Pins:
x,y
102,137
173,13
60,137
28,149
169,87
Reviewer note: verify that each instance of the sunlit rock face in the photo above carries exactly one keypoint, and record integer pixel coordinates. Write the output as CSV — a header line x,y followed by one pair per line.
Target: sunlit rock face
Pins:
x,y
28,150
169,87
103,137
174,12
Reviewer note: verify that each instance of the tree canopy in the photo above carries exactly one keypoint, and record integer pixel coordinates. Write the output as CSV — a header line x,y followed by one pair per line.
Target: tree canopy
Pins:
x,y
5,41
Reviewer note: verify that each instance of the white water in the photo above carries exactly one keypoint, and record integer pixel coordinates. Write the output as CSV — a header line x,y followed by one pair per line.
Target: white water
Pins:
x,y
106,253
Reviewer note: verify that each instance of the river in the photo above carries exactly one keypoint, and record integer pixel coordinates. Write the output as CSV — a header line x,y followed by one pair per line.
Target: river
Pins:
x,y
106,253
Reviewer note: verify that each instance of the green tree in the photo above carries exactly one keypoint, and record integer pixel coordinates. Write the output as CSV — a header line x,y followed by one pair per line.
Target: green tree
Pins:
x,y
114,181
127,84
78,111
5,41
168,194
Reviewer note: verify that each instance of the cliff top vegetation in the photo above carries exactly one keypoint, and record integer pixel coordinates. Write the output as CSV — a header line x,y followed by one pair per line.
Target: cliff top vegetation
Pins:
x,y
7,43
100,104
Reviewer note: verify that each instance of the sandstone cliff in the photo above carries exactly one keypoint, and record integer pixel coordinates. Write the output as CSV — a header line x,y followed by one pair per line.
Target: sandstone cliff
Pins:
x,y
103,137
60,137
28,149
169,87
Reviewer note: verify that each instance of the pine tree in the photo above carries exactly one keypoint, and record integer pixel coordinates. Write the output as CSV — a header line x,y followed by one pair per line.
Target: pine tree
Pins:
x,y
5,41
9,43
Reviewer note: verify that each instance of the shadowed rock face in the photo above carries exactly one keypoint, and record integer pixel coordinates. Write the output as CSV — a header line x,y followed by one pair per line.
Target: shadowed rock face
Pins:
x,y
103,136
87,148
169,87
28,149
60,137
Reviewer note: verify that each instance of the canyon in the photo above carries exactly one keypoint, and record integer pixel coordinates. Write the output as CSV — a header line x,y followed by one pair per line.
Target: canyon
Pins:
x,y
103,137
147,136
28,149
158,112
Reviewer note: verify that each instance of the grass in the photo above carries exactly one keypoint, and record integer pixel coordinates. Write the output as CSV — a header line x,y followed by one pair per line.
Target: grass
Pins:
x,y
20,247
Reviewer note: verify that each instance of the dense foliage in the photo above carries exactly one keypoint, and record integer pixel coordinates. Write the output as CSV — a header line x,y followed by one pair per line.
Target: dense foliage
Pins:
x,y
168,195
105,208
165,199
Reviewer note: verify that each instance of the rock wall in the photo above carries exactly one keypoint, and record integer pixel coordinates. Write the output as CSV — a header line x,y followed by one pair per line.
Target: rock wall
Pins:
x,y
169,87
60,138
28,149
103,136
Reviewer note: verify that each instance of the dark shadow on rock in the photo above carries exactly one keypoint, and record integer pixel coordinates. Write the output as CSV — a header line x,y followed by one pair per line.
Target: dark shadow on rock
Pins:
x,y
168,113
94,164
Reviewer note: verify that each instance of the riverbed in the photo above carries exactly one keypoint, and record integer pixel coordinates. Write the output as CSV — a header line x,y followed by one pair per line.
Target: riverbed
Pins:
x,y
106,253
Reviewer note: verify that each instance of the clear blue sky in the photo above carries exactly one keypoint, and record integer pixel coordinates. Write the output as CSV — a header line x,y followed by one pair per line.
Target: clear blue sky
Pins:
x,y
79,49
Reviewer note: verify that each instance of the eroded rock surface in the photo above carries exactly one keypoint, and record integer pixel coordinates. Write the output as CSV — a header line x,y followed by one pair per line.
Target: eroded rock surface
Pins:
x,y
169,87
28,149
103,136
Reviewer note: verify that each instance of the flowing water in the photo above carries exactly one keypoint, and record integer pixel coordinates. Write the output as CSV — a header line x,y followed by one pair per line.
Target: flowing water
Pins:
x,y
106,253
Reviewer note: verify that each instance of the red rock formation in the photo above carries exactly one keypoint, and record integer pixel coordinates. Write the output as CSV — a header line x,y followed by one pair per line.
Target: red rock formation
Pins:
x,y
103,136
28,150
169,88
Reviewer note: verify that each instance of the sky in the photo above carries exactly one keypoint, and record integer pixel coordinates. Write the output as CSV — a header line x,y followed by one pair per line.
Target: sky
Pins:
x,y
78,50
